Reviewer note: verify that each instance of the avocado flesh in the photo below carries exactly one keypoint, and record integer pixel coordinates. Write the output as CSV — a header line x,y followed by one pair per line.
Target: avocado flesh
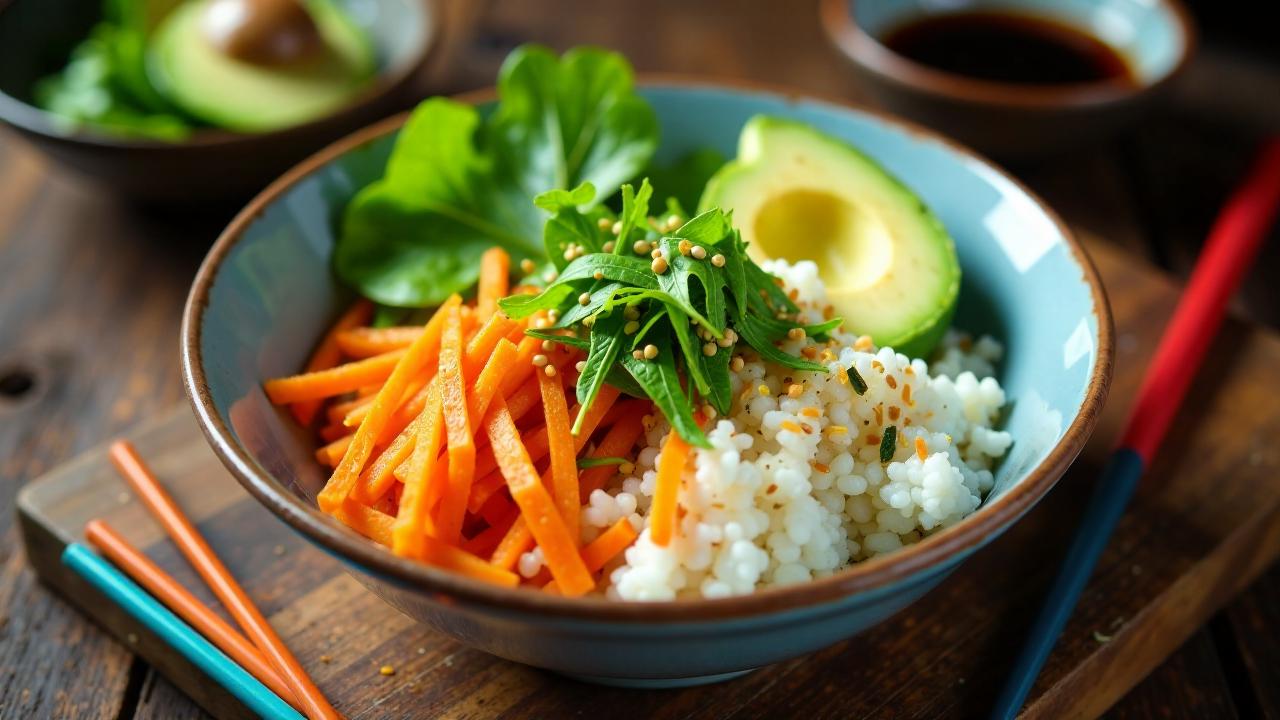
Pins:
x,y
245,97
889,267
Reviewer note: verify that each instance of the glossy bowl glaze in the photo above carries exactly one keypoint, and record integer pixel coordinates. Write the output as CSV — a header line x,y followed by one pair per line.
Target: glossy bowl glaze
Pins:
x,y
265,294
36,37
1015,121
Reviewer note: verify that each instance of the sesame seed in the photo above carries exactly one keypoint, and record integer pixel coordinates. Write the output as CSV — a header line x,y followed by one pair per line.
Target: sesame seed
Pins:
x,y
709,349
631,313
820,467
584,298
659,265
650,351
527,266
631,327
597,275
553,314
674,221
863,343
617,228
550,370
581,365
698,252
627,468
569,253
604,223
641,247
550,275
763,390
387,670
637,354
737,363
657,253
684,246
717,260
796,333
540,323
609,246
540,360
709,412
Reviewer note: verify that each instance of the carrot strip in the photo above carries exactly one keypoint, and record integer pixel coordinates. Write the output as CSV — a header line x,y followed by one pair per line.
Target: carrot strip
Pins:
x,y
559,550
334,381
604,548
346,475
333,433
328,354
379,527
481,345
486,541
497,509
359,413
564,459
332,453
339,410
361,342
538,445
457,424
662,514
410,530
515,543
618,442
495,278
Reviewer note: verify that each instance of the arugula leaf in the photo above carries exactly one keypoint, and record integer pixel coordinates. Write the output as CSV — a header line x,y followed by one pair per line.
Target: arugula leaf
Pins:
x,y
759,337
676,283
457,184
635,210
591,462
605,346
560,199
627,269
661,383
522,306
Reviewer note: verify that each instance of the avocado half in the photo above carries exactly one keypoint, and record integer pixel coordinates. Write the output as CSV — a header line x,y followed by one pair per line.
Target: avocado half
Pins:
x,y
245,97
889,266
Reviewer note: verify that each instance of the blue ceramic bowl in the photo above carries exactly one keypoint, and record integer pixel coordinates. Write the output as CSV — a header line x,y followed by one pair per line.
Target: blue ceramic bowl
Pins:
x,y
1156,39
265,294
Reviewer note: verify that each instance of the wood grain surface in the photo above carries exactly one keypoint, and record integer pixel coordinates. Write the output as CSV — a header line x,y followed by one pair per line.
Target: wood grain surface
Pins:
x,y
91,290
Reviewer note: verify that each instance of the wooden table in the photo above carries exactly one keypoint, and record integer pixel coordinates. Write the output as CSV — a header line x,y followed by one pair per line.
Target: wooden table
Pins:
x,y
91,291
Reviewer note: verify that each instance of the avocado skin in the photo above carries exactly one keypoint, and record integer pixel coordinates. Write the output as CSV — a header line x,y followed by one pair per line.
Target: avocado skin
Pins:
x,y
753,148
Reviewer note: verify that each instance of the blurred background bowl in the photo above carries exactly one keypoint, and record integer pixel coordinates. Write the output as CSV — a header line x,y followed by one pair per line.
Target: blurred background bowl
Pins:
x,y
36,37
1014,120
265,293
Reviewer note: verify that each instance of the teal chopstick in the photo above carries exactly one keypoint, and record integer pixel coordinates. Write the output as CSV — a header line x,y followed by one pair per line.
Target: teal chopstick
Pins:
x,y
190,644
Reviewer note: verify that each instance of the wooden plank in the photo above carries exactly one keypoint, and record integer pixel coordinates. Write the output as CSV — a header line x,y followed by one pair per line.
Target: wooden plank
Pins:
x,y
1183,550
1253,620
1189,686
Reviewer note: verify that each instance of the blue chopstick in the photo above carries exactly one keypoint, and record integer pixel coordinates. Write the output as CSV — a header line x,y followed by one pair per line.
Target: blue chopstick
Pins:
x,y
191,644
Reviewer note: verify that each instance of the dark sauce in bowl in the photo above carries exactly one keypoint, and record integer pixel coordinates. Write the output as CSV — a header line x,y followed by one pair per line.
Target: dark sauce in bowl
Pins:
x,y
1010,48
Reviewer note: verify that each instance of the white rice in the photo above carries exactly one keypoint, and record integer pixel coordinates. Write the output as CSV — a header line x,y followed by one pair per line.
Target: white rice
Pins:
x,y
793,487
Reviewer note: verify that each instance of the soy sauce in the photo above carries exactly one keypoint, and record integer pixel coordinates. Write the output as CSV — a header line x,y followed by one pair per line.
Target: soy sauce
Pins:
x,y
1007,47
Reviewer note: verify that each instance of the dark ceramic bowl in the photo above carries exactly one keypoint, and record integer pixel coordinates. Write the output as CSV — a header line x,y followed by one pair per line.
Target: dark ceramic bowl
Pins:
x,y
36,37
265,294
1015,121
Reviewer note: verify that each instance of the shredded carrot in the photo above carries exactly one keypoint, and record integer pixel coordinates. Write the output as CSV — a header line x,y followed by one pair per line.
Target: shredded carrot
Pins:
x,y
604,548
332,453
495,278
412,521
559,550
339,410
457,423
361,342
462,562
662,513
564,461
486,541
334,381
922,449
497,510
332,433
481,345
618,442
412,359
515,543
453,505
358,414
328,353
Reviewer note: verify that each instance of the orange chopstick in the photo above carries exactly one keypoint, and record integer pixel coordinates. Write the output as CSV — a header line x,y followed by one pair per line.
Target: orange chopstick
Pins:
x,y
219,579
178,599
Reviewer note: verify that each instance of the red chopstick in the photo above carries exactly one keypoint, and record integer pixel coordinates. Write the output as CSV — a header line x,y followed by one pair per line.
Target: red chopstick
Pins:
x,y
219,579
178,599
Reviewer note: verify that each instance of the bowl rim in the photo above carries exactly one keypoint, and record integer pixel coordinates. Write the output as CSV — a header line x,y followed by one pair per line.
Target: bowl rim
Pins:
x,y
29,118
867,52
959,539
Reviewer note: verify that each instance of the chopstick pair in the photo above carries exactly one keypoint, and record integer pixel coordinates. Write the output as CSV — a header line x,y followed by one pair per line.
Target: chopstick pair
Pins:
x,y
1234,241
266,657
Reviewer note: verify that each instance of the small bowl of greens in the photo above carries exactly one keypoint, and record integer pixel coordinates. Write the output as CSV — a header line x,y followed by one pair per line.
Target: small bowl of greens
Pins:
x,y
650,384
183,101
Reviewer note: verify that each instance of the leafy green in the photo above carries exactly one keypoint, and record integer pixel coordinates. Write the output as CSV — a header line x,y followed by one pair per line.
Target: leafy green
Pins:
x,y
859,383
617,304
457,183
591,462
683,180
888,444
